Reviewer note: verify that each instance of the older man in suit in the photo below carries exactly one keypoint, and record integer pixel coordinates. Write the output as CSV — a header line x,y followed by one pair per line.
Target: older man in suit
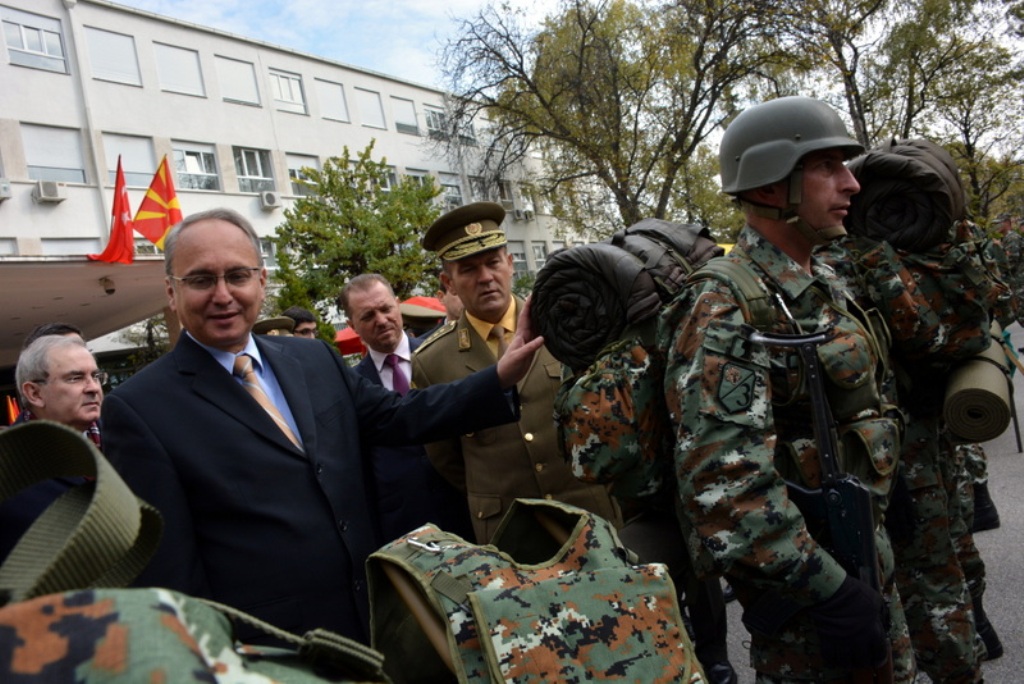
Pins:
x,y
406,489
260,478
497,465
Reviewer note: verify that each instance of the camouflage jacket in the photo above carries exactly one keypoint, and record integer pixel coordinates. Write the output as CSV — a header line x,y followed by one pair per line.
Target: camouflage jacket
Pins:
x,y
740,416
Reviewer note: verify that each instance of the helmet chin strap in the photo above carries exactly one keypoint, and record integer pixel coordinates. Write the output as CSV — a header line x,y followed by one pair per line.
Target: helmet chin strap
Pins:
x,y
790,216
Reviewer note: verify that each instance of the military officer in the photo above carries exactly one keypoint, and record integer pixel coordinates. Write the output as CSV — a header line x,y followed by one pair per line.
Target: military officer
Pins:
x,y
495,466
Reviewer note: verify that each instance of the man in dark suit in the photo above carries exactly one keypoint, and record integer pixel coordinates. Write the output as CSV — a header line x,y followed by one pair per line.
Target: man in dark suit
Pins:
x,y
260,479
406,489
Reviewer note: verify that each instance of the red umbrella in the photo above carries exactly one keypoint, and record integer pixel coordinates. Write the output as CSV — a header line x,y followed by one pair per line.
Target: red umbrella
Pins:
x,y
348,342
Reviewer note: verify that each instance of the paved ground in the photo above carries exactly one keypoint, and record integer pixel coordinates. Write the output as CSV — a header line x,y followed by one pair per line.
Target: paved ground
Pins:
x,y
1001,549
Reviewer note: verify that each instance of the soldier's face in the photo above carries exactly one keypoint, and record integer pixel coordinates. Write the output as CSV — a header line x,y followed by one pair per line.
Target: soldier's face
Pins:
x,y
483,282
828,186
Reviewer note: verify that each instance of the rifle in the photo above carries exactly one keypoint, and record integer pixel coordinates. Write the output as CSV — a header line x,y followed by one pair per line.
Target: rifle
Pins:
x,y
842,503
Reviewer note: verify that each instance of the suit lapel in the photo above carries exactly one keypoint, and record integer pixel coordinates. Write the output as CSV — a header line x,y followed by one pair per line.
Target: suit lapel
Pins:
x,y
291,378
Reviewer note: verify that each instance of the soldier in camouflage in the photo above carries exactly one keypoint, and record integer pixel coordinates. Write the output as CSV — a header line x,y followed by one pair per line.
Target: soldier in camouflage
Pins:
x,y
936,303
740,409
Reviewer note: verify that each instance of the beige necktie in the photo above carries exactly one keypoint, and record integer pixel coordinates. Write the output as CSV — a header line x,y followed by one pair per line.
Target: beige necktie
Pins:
x,y
252,384
498,333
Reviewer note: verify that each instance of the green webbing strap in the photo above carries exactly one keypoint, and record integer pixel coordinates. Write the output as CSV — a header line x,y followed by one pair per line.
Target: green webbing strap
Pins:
x,y
753,297
318,645
96,535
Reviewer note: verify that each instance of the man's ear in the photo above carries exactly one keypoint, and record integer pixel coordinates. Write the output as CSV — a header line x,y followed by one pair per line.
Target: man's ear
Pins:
x,y
30,393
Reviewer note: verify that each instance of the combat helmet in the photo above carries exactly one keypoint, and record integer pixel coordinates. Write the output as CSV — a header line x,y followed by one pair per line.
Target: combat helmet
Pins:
x,y
765,143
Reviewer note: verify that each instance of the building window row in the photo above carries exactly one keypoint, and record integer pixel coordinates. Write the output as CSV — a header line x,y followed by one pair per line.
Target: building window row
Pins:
x,y
55,154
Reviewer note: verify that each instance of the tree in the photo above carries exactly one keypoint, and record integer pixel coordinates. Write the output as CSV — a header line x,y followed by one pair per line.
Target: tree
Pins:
x,y
361,219
617,96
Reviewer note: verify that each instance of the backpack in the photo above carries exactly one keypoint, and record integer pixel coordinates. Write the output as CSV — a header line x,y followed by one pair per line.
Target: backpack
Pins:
x,y
554,597
612,421
61,622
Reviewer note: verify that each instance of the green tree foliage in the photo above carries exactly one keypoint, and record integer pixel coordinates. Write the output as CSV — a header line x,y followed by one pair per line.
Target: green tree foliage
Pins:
x,y
360,220
617,95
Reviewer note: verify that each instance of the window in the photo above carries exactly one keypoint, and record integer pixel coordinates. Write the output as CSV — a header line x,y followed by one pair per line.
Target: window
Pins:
x,y
144,246
112,57
33,40
371,111
437,124
540,254
53,154
237,81
136,159
518,251
332,100
390,180
451,191
404,112
418,176
505,195
254,170
196,166
478,189
268,252
296,164
178,70
467,134
287,91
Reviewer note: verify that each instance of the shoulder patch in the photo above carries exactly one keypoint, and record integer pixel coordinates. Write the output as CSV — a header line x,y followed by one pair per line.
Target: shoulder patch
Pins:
x,y
435,336
736,388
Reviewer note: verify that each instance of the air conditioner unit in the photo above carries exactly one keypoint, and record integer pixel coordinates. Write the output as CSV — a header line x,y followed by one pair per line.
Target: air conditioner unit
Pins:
x,y
527,214
270,200
518,214
5,189
49,192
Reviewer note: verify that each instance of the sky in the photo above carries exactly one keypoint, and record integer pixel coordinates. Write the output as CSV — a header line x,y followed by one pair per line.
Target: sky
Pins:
x,y
400,38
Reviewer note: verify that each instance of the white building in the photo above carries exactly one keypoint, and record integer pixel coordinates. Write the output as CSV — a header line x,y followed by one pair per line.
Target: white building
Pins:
x,y
84,81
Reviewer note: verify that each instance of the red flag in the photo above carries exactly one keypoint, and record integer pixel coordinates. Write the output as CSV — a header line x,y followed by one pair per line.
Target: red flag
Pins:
x,y
121,246
160,209
12,410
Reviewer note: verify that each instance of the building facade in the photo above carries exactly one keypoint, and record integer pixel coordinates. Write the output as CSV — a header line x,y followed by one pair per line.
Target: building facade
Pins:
x,y
86,81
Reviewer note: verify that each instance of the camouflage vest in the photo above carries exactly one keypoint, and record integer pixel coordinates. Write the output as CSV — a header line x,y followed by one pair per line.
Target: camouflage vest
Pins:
x,y
613,426
554,598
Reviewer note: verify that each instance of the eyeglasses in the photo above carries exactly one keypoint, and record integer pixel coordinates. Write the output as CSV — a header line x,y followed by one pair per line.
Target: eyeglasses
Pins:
x,y
235,278
77,378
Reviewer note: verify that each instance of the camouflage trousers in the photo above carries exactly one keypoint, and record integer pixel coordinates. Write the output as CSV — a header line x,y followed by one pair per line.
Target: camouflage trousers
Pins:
x,y
975,462
792,656
930,564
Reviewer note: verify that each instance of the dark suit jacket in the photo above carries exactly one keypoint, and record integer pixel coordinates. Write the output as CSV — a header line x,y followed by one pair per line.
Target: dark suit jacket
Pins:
x,y
250,520
406,489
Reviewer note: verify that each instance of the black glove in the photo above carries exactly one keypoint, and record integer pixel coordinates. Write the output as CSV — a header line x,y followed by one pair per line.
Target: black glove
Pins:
x,y
899,515
850,627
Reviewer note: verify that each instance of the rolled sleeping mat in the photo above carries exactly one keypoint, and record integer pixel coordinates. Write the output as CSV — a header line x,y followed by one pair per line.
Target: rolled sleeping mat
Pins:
x,y
977,405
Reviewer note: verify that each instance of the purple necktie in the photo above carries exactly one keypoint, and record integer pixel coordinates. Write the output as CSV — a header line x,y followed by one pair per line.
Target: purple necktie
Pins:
x,y
399,382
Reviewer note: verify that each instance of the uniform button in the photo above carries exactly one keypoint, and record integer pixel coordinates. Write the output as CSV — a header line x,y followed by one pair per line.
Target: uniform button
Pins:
x,y
479,515
343,524
539,467
528,436
319,468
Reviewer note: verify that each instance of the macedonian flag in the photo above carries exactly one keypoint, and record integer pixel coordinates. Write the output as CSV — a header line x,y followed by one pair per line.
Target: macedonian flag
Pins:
x,y
159,210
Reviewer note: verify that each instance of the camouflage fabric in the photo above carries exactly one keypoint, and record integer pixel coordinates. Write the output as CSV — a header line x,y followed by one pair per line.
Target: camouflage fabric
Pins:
x,y
612,423
1013,274
531,608
938,306
740,417
110,636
